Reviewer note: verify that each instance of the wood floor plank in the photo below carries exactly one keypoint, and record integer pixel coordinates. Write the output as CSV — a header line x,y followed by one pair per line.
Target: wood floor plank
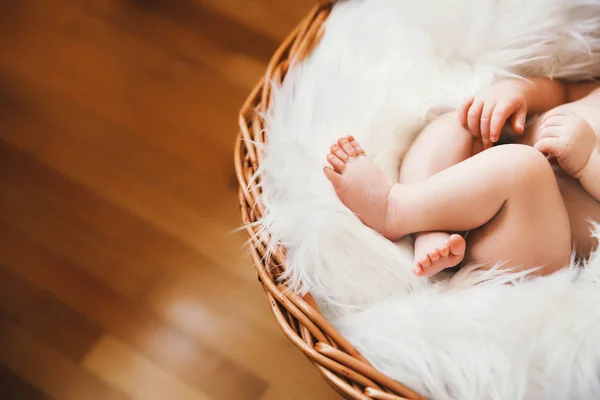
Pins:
x,y
121,367
52,322
273,18
108,146
179,95
60,156
13,387
48,370
126,319
140,245
242,68
20,204
106,143
266,354
217,27
118,198
219,290
105,174
208,236
320,392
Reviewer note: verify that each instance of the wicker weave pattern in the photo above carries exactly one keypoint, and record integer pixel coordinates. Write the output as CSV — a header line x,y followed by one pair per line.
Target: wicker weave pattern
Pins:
x,y
337,360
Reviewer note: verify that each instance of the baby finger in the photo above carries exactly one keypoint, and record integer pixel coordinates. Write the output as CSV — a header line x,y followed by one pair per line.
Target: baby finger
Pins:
x,y
474,116
499,117
519,118
550,146
547,132
463,110
484,124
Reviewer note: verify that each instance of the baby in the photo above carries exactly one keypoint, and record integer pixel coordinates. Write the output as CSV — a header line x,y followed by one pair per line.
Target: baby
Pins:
x,y
516,205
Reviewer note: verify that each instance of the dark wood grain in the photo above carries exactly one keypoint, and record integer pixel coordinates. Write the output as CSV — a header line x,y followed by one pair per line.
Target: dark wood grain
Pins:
x,y
127,319
119,260
224,32
53,322
48,369
13,387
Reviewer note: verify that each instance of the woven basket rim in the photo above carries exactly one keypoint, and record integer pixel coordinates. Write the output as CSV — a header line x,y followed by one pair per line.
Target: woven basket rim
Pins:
x,y
337,360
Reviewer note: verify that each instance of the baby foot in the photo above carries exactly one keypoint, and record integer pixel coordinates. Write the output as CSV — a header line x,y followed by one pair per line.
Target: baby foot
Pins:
x,y
444,254
359,184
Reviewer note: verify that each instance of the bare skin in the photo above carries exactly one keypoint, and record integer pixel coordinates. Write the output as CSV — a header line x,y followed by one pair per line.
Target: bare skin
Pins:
x,y
581,205
443,143
512,186
446,141
564,134
568,131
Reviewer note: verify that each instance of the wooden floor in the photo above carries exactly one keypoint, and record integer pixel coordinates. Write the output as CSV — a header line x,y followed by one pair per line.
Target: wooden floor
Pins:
x,y
120,277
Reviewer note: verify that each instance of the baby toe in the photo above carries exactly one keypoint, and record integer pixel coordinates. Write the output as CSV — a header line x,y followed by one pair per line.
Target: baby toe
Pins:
x,y
334,177
444,250
434,255
457,245
347,147
337,164
339,153
357,147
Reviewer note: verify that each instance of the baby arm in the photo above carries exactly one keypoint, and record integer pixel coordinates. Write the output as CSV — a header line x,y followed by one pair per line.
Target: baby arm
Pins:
x,y
486,113
586,92
584,101
543,94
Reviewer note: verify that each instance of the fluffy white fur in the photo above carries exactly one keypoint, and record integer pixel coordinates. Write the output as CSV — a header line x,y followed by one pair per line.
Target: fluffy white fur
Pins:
x,y
383,69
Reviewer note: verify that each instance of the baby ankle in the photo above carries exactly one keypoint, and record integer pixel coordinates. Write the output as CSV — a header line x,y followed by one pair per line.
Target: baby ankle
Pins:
x,y
393,214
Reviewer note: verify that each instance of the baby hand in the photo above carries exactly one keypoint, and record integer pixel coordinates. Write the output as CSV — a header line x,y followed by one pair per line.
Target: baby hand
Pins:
x,y
567,138
486,113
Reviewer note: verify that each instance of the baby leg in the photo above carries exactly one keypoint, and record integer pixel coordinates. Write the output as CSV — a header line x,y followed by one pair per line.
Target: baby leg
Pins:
x,y
443,143
512,186
521,237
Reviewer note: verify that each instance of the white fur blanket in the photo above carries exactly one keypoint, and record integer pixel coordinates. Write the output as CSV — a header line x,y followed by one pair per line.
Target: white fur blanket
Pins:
x,y
383,69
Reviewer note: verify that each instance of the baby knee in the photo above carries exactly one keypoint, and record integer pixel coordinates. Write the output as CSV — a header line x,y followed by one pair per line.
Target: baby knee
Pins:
x,y
450,128
530,164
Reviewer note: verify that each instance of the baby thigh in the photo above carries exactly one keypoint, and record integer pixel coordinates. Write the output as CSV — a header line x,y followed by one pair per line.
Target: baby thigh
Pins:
x,y
442,144
582,208
531,229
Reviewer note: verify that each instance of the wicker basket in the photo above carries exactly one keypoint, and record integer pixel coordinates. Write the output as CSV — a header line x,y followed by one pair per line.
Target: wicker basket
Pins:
x,y
337,360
